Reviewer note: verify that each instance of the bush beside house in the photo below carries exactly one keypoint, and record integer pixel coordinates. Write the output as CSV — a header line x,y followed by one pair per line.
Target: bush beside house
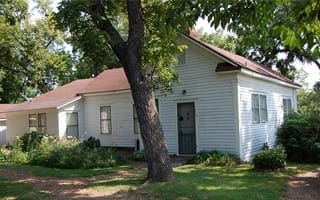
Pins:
x,y
45,150
300,136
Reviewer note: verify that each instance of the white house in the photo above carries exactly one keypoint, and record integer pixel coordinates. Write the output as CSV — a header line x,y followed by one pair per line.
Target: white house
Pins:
x,y
3,122
223,102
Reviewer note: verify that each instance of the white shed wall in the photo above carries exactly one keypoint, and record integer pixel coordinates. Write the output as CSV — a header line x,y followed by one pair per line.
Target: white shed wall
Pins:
x,y
121,119
252,136
214,103
18,122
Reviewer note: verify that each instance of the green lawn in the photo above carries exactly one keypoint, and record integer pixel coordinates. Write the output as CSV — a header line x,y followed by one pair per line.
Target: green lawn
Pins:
x,y
14,190
65,173
192,182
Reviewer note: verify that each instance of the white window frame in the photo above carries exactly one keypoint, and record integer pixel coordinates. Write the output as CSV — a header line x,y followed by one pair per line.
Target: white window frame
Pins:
x,y
36,123
100,120
286,109
259,108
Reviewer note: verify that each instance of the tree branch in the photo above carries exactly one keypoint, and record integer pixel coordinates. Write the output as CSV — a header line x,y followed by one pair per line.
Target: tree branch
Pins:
x,y
98,13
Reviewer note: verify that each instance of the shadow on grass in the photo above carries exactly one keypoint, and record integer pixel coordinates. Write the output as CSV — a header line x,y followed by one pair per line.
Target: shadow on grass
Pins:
x,y
14,190
238,182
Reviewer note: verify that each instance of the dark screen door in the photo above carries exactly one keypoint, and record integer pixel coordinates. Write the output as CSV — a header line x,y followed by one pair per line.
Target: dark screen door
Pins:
x,y
186,128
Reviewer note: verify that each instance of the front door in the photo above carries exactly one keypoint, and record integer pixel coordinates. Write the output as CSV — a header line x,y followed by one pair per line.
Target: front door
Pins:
x,y
186,128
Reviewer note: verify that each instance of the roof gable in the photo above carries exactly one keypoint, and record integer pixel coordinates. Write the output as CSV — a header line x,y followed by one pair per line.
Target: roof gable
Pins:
x,y
236,62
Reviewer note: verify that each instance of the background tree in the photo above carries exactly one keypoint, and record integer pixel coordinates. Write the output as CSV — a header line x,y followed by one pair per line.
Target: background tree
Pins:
x,y
31,54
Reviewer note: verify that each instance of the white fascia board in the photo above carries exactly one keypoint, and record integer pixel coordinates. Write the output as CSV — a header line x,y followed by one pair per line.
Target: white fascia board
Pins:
x,y
65,104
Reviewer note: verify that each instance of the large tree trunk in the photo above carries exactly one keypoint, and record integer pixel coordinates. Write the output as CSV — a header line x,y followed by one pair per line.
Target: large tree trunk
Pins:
x,y
158,160
130,55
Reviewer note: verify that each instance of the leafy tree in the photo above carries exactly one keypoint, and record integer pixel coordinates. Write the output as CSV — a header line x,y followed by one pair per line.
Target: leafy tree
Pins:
x,y
146,47
31,54
309,101
219,39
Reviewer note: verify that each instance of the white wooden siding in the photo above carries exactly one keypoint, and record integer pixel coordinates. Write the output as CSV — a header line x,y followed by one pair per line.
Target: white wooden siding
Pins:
x,y
252,136
213,97
18,123
78,107
121,119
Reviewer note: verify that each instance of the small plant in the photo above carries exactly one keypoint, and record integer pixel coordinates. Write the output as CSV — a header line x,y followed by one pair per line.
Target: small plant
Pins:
x,y
92,143
139,156
214,158
270,159
14,154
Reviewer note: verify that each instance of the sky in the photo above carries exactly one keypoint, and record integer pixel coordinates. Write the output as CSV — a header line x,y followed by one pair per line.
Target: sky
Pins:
x,y
312,70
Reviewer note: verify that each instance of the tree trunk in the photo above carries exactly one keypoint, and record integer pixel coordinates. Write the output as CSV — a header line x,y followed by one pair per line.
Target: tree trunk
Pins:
x,y
156,151
130,55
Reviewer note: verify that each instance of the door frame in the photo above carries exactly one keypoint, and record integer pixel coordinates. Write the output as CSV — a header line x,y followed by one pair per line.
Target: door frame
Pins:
x,y
195,121
71,112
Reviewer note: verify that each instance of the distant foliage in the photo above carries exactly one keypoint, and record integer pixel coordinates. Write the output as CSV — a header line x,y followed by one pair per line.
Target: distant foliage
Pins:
x,y
139,156
215,158
300,136
270,159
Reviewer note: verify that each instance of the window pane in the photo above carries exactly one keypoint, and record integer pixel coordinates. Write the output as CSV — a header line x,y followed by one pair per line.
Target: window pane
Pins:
x,y
32,122
72,132
105,112
72,119
263,108
255,108
136,127
105,127
42,119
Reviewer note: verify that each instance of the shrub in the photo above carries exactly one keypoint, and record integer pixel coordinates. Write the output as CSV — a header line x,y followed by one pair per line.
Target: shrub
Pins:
x,y
31,140
71,154
14,154
270,159
214,158
92,143
300,136
139,156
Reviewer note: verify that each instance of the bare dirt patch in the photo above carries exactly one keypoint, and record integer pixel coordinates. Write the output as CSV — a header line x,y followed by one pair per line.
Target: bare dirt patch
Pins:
x,y
304,186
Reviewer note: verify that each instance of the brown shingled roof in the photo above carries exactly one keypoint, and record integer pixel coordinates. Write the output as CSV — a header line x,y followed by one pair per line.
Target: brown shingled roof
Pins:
x,y
241,62
108,81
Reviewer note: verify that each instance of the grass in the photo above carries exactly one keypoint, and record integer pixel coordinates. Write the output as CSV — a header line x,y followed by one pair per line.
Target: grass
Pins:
x,y
192,182
14,190
65,173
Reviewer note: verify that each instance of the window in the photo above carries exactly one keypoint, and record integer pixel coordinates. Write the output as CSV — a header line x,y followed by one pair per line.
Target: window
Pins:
x,y
42,124
136,126
287,106
72,125
105,120
33,122
259,108
182,57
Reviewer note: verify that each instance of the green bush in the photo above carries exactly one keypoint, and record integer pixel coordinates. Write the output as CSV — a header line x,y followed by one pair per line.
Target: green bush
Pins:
x,y
31,140
71,154
139,156
14,154
92,143
300,136
270,159
214,158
